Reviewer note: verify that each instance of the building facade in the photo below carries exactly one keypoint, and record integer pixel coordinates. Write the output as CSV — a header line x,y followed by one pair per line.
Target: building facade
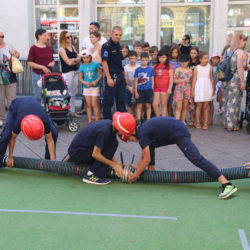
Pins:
x,y
210,23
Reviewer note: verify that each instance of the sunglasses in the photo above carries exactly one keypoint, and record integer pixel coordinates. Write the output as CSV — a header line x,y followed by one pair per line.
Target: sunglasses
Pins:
x,y
68,37
184,39
1,36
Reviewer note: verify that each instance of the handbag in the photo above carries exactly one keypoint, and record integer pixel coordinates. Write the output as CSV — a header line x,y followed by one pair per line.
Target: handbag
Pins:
x,y
16,65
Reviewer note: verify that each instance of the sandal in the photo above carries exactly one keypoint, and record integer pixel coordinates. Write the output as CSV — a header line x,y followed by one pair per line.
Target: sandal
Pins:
x,y
191,123
230,129
198,126
236,129
205,126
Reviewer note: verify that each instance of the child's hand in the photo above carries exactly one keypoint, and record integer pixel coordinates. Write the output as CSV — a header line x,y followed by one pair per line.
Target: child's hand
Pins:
x,y
136,95
94,83
88,84
169,91
192,93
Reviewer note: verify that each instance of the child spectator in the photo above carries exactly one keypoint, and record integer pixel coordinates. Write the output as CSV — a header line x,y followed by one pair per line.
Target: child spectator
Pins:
x,y
125,52
90,74
203,89
138,49
194,61
214,61
182,93
130,72
144,84
153,51
146,47
163,83
174,61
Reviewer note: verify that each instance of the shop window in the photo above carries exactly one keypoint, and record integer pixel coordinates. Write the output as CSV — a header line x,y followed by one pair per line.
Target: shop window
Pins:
x,y
238,16
167,26
179,20
54,16
131,19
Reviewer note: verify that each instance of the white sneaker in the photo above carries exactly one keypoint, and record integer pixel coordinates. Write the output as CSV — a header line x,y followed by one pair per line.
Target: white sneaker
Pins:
x,y
1,123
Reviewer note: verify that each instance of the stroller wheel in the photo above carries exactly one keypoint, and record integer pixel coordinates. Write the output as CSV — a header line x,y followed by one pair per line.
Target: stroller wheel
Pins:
x,y
248,128
241,119
74,126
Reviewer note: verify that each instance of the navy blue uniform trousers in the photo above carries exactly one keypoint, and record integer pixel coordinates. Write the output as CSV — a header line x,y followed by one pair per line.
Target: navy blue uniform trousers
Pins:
x,y
6,135
97,167
188,148
118,92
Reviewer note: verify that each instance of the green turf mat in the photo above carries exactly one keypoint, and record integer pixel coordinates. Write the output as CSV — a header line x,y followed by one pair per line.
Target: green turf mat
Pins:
x,y
204,222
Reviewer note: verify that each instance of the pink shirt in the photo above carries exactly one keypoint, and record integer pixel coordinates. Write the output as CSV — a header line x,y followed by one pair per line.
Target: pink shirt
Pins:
x,y
42,56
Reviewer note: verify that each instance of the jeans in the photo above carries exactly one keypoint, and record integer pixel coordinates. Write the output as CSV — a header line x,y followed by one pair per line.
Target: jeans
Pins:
x,y
37,90
71,79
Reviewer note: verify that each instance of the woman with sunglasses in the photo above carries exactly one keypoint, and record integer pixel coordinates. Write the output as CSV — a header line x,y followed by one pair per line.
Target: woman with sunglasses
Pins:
x,y
69,59
185,46
7,77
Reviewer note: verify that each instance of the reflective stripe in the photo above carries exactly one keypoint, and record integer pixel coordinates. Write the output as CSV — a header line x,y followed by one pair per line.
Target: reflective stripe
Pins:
x,y
120,126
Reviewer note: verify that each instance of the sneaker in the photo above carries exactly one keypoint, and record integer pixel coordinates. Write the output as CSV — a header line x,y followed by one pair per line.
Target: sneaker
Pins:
x,y
227,191
1,123
93,179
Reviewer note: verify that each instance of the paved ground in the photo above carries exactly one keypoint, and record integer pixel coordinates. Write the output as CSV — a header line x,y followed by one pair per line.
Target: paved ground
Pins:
x,y
225,149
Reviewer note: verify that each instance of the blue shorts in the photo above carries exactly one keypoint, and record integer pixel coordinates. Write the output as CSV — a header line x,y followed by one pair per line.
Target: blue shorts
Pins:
x,y
145,96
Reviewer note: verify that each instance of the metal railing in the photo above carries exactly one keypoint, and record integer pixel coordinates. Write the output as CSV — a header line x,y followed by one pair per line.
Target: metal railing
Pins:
x,y
24,86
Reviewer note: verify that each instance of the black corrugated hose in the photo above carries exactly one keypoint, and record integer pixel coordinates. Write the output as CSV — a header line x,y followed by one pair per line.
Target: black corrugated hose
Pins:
x,y
70,168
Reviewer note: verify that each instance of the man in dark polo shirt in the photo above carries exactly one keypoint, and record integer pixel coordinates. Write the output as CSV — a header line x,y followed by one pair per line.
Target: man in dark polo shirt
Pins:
x,y
115,84
162,131
27,115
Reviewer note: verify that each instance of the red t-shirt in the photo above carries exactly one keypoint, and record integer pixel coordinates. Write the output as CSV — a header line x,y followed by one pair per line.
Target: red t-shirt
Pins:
x,y
42,56
162,75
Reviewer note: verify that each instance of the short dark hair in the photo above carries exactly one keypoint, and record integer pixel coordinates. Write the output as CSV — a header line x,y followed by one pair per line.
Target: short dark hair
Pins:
x,y
202,53
96,34
145,45
137,44
96,24
39,32
145,55
187,37
153,49
132,53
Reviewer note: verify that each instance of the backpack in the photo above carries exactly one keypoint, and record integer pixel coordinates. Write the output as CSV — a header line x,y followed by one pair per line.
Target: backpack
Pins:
x,y
223,72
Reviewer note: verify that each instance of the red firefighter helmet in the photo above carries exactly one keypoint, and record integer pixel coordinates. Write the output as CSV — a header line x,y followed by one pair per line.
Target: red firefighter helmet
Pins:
x,y
125,123
32,127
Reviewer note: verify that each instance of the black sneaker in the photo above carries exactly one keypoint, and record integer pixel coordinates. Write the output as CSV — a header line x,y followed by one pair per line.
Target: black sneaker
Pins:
x,y
93,179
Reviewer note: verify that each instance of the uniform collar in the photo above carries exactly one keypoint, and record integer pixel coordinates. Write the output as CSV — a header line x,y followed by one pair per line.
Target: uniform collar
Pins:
x,y
113,41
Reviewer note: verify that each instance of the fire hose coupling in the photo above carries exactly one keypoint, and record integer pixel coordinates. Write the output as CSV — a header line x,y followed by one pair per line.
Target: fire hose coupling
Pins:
x,y
126,171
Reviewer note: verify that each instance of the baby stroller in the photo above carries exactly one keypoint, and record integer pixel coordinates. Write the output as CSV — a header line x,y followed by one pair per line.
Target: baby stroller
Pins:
x,y
246,115
55,100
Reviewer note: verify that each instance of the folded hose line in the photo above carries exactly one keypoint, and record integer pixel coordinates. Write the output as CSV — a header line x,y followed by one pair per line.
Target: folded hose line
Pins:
x,y
70,168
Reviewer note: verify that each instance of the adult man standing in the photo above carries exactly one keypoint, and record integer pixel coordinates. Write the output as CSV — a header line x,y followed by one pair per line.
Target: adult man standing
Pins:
x,y
115,85
86,43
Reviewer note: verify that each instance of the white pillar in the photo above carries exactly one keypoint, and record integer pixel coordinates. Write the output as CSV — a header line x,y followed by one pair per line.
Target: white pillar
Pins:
x,y
86,16
152,21
219,25
18,25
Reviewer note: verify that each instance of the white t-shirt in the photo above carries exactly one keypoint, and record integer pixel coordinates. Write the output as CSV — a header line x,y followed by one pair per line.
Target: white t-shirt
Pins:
x,y
86,43
130,72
